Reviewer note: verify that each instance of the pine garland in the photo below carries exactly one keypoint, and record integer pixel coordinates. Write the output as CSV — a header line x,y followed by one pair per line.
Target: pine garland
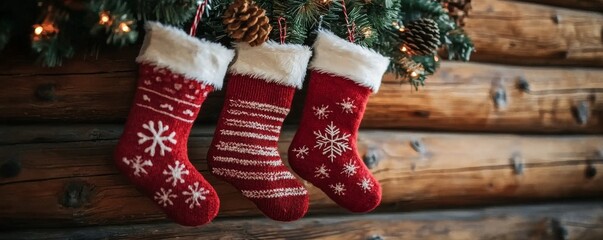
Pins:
x,y
376,24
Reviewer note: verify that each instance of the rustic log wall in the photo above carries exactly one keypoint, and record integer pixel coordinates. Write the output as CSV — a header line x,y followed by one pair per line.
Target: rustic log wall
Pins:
x,y
537,76
72,177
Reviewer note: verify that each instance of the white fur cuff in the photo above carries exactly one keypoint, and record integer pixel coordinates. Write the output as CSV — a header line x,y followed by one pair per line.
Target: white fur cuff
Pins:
x,y
337,56
170,47
283,64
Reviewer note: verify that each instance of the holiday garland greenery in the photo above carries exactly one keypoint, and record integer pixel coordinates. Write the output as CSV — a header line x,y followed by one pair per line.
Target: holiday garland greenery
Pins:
x,y
408,31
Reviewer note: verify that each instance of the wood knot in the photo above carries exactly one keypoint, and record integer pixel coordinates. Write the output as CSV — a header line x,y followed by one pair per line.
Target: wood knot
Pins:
x,y
523,85
499,97
371,158
581,112
10,167
591,171
46,92
375,237
76,194
421,113
418,146
517,163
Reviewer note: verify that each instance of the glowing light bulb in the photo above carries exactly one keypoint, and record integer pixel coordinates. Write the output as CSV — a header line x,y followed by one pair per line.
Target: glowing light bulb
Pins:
x,y
124,27
38,30
404,49
104,18
436,58
414,74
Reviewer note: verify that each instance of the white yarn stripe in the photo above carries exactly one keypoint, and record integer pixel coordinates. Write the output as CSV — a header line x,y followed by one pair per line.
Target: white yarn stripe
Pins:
x,y
267,176
252,125
248,149
264,116
259,106
247,162
168,97
164,113
248,135
275,193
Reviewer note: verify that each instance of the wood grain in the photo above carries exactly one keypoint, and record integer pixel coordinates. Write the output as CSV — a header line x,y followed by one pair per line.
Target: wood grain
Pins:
x,y
530,34
576,221
588,5
460,97
75,182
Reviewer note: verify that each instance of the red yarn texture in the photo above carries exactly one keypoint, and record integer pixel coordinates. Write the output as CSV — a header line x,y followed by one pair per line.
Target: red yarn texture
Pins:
x,y
244,151
152,151
324,151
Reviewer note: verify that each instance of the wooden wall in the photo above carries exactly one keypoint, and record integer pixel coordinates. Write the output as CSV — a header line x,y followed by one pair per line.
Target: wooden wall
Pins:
x,y
519,125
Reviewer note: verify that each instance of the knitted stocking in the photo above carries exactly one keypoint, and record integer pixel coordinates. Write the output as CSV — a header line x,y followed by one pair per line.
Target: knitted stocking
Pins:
x,y
323,150
177,72
244,149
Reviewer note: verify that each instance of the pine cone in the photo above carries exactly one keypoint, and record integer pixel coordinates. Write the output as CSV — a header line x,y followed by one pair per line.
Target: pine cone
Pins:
x,y
457,9
421,37
246,22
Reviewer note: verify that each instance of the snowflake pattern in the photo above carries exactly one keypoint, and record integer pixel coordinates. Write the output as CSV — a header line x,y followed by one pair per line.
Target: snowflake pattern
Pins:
x,y
338,188
366,184
157,137
196,194
322,172
347,105
176,173
349,169
321,112
301,152
163,197
138,165
331,142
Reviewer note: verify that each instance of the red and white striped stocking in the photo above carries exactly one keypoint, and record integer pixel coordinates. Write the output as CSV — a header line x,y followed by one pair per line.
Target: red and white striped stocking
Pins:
x,y
177,72
244,149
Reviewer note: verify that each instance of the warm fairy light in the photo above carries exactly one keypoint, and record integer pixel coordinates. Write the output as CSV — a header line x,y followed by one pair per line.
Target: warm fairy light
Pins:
x,y
38,29
367,31
436,58
124,27
404,49
414,74
104,18
401,29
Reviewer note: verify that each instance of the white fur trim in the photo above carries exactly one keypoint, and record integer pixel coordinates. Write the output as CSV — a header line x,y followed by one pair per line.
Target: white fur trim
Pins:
x,y
283,64
337,56
170,47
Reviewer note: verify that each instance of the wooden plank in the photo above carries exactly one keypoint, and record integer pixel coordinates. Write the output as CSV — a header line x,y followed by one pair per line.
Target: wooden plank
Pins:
x,y
75,182
530,34
460,97
551,221
588,5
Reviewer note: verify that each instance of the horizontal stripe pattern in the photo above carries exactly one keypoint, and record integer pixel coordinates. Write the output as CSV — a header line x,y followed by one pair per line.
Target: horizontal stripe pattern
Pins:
x,y
248,149
169,97
238,103
251,114
248,162
267,176
275,193
164,113
248,135
252,125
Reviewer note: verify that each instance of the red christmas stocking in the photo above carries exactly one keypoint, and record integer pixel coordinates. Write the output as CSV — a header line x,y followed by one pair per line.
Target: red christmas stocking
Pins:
x,y
177,72
244,149
323,150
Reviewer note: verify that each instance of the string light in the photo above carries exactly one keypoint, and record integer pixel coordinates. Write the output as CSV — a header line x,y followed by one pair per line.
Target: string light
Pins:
x,y
403,49
124,27
38,29
367,32
414,74
436,58
104,18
